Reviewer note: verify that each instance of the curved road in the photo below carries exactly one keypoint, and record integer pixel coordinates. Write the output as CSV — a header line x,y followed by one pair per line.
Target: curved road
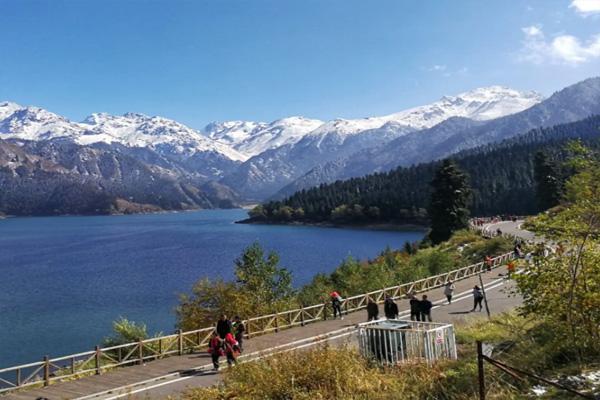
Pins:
x,y
513,228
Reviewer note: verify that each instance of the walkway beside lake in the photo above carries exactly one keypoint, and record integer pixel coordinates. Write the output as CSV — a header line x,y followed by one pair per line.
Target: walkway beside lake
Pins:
x,y
174,373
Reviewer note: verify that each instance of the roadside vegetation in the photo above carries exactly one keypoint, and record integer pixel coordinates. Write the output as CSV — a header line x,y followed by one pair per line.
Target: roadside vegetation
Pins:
x,y
262,286
555,334
342,373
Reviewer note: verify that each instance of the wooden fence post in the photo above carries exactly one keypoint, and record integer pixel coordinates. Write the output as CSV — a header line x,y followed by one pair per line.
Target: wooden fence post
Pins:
x,y
180,341
46,371
276,321
97,359
480,370
302,316
140,352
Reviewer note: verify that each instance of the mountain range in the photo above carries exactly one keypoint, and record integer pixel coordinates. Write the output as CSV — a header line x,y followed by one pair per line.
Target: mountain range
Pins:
x,y
158,162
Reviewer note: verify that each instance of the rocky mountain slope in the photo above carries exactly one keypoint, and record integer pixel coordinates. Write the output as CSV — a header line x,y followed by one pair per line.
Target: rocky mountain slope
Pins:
x,y
260,160
58,176
573,103
267,172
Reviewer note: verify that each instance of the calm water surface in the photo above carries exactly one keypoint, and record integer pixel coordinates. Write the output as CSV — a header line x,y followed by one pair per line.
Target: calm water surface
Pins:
x,y
63,280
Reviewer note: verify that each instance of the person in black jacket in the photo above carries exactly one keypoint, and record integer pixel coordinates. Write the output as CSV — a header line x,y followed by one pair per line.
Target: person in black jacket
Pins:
x,y
372,310
390,308
425,306
415,308
223,326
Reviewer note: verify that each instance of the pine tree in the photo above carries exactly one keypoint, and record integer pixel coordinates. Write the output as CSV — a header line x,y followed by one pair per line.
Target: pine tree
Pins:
x,y
547,179
449,201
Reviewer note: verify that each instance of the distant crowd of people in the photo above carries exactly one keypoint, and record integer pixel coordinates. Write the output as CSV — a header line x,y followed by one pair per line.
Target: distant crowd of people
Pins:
x,y
420,309
492,220
227,340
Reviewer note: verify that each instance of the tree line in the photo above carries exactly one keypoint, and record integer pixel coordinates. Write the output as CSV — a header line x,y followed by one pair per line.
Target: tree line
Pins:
x,y
504,178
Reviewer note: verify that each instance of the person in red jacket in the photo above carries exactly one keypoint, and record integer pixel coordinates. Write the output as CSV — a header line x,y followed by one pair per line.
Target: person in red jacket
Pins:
x,y
215,348
232,349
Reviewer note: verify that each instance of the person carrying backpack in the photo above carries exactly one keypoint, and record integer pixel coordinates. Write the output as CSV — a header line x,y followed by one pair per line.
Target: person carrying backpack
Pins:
x,y
390,308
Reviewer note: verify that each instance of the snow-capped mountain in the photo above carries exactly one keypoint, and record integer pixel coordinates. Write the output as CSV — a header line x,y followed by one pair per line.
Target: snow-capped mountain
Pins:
x,y
131,129
479,104
270,170
256,158
571,104
253,138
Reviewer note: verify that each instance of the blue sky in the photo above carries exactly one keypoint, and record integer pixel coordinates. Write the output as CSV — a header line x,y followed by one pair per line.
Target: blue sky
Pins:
x,y
199,61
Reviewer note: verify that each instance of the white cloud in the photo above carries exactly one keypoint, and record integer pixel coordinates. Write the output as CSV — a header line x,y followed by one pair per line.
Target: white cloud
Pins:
x,y
534,30
438,68
566,49
586,7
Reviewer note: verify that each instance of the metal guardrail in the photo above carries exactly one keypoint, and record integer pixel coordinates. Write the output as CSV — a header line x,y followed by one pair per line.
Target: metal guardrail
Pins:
x,y
100,360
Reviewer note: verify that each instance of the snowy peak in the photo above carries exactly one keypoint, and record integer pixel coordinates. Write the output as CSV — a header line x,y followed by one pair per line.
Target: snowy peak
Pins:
x,y
478,104
131,129
240,140
158,133
253,138
7,108
33,123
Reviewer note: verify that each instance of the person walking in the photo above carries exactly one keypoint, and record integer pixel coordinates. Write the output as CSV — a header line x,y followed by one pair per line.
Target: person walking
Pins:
x,y
425,307
510,269
223,326
239,330
415,308
232,349
372,311
390,308
215,349
336,304
449,291
488,263
477,298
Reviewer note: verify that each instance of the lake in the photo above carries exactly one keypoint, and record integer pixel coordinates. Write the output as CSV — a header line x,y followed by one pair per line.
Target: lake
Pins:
x,y
65,279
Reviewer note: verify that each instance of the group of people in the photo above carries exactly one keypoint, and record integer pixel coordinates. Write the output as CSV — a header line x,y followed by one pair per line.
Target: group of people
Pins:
x,y
420,309
390,309
227,340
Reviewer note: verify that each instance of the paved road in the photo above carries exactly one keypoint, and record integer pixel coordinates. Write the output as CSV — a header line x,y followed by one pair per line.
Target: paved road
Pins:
x,y
458,312
170,373
513,228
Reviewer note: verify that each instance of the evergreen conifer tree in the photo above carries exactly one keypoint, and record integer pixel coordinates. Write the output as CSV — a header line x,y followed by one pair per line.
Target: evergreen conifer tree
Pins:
x,y
448,209
548,184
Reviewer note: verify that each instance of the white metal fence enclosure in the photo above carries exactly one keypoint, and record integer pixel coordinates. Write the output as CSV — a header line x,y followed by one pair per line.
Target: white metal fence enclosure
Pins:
x,y
393,342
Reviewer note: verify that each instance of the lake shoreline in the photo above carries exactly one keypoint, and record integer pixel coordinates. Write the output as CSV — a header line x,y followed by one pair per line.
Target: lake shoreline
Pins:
x,y
388,226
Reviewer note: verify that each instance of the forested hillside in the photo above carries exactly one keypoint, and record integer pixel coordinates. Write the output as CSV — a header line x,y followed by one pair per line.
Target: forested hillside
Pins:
x,y
501,176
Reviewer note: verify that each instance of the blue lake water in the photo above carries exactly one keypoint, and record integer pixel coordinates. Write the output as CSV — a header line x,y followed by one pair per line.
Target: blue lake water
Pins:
x,y
63,280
